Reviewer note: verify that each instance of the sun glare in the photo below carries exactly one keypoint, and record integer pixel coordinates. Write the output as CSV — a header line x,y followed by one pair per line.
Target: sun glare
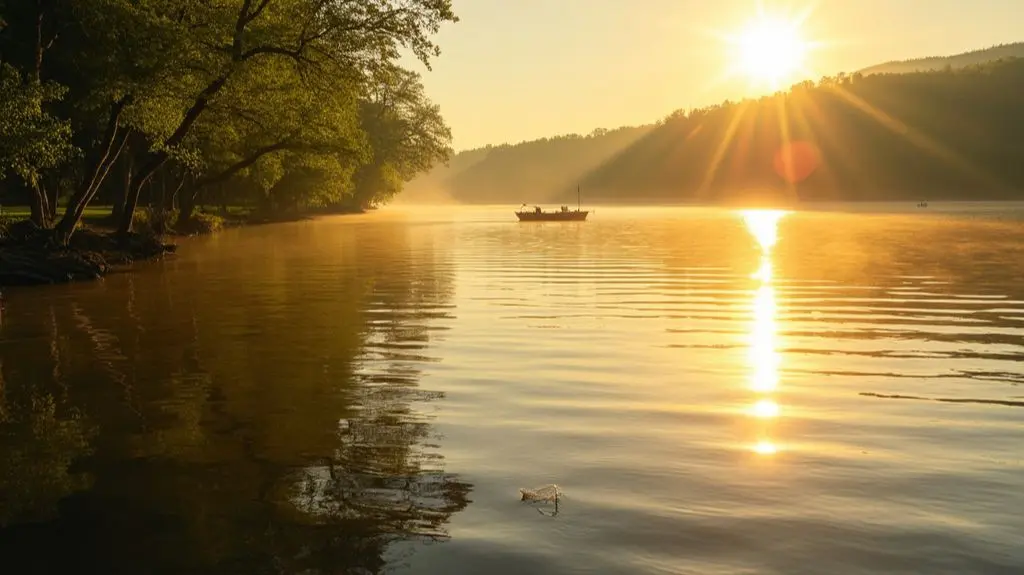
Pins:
x,y
764,226
765,409
771,50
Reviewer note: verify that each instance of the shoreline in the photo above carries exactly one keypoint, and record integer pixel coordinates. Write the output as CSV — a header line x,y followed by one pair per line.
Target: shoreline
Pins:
x,y
29,257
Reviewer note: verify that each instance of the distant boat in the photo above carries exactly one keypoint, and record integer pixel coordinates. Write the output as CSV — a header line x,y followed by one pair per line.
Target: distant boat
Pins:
x,y
564,214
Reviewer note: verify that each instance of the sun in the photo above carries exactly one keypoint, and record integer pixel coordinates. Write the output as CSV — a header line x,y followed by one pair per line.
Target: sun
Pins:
x,y
771,50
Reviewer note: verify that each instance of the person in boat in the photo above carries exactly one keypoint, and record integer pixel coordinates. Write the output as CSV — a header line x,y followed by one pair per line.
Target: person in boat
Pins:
x,y
536,209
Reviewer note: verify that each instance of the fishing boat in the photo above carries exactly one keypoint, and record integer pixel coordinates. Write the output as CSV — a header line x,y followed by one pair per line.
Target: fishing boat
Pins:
x,y
564,214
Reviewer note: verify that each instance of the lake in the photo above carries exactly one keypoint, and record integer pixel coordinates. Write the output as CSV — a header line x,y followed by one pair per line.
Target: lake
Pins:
x,y
713,391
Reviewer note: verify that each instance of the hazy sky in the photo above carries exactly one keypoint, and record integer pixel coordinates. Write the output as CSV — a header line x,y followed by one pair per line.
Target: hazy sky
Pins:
x,y
514,70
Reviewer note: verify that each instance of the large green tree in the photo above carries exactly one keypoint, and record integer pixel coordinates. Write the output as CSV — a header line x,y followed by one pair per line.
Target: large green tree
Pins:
x,y
34,140
31,139
342,38
271,119
254,95
407,135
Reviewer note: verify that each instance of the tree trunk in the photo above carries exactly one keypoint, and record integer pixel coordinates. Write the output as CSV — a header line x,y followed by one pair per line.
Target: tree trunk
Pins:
x,y
173,199
168,203
121,192
131,201
39,209
186,206
222,199
158,158
117,207
53,199
163,190
98,167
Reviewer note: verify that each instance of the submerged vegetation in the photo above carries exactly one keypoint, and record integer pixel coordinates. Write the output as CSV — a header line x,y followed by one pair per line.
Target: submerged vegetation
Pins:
x,y
284,106
946,134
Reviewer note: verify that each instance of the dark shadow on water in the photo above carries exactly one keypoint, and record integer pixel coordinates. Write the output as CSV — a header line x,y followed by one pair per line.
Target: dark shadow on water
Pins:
x,y
229,416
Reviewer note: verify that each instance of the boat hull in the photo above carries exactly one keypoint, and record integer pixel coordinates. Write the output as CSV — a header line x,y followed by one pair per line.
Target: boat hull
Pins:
x,y
577,216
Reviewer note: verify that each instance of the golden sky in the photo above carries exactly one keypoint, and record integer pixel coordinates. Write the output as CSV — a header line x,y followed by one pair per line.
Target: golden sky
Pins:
x,y
515,70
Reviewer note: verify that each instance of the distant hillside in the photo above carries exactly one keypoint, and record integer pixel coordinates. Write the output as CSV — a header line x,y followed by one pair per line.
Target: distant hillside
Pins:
x,y
545,170
972,58
948,134
433,186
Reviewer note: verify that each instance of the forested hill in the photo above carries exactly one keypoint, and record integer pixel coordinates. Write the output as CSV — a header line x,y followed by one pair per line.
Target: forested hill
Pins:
x,y
946,134
535,171
972,58
951,134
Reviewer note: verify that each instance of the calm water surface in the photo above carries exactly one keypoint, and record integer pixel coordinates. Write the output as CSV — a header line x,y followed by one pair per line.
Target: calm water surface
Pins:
x,y
714,391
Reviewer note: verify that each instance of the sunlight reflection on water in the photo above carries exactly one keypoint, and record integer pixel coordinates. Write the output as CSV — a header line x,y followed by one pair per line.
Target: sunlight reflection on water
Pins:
x,y
715,391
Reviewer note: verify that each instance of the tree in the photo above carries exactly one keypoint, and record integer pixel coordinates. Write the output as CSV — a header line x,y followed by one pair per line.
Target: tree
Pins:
x,y
31,140
264,96
311,121
37,141
125,64
406,132
317,36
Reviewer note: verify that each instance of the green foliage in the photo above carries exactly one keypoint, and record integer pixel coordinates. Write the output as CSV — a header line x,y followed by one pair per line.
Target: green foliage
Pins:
x,y
159,221
200,223
154,221
5,223
406,134
31,139
207,223
244,99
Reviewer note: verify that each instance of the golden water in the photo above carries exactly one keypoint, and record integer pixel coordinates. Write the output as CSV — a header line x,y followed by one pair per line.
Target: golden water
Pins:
x,y
713,392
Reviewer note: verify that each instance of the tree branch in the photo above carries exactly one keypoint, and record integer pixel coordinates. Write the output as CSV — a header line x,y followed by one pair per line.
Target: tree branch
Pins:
x,y
259,9
242,164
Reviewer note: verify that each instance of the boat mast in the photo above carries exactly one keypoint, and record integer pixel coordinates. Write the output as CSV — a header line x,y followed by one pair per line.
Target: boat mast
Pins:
x,y
577,197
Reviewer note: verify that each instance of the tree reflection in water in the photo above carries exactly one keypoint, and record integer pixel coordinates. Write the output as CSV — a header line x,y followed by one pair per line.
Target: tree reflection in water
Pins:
x,y
38,442
226,418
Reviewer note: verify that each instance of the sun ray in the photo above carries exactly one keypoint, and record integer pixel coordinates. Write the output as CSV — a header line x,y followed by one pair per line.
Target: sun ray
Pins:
x,y
808,107
722,148
785,139
918,139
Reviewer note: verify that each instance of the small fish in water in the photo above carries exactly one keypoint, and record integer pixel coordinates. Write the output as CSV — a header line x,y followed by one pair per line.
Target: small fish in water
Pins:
x,y
547,493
